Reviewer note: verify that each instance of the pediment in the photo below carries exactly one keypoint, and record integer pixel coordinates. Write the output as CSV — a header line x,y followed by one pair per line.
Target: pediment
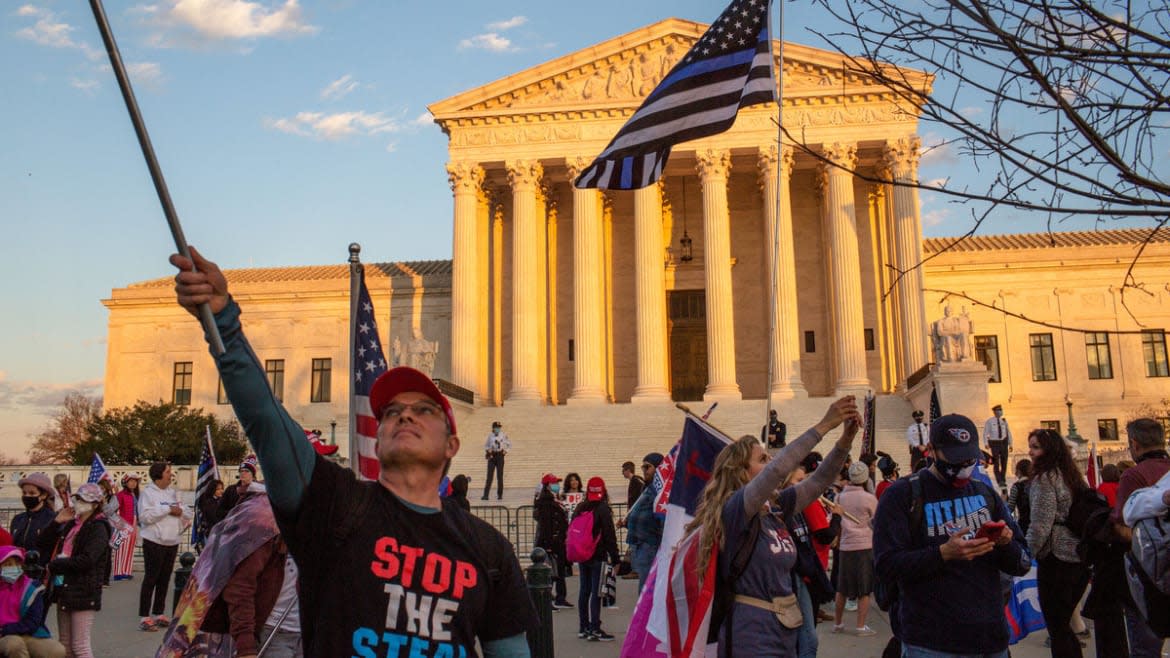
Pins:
x,y
621,72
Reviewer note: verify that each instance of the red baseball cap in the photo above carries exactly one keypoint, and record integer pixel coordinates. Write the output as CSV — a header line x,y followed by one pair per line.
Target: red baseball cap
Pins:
x,y
404,379
320,446
596,489
549,478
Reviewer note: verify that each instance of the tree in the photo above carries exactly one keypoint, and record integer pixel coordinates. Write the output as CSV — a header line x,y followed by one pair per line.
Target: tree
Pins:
x,y
157,432
1062,102
55,444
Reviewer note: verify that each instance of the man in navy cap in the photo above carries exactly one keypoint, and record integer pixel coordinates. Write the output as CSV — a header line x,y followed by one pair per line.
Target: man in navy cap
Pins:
x,y
925,544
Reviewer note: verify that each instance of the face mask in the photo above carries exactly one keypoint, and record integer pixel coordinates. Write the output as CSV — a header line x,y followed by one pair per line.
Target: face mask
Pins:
x,y
11,574
30,501
82,508
555,488
956,474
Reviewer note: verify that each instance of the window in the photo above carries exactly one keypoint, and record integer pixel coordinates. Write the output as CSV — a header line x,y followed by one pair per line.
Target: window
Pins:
x,y
572,350
1154,349
1053,425
274,370
322,378
221,395
182,385
810,342
1097,355
869,340
987,351
1043,358
1107,429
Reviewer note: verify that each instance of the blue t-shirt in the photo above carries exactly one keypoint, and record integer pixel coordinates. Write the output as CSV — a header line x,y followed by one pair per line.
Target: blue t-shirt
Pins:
x,y
768,574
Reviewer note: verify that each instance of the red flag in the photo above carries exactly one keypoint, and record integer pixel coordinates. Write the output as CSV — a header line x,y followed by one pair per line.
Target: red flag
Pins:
x,y
688,603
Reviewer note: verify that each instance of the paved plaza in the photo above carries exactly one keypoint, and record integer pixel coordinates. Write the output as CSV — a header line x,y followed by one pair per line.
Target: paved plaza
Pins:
x,y
116,633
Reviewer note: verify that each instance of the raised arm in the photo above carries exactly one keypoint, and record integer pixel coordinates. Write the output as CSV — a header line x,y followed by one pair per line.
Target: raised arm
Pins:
x,y
764,485
285,456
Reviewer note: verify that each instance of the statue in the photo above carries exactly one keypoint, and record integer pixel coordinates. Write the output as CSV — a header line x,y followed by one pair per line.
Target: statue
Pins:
x,y
966,328
396,354
944,335
421,352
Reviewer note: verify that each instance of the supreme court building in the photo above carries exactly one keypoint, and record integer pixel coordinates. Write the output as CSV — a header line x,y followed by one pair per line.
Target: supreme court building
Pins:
x,y
578,318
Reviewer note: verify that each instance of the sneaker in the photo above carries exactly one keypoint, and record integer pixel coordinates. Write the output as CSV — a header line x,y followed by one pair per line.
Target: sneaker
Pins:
x,y
851,605
558,605
600,636
162,621
147,624
611,607
838,628
584,635
824,615
865,631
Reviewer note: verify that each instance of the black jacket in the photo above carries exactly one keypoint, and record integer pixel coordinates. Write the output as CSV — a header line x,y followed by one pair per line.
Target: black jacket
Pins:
x,y
27,527
83,572
551,524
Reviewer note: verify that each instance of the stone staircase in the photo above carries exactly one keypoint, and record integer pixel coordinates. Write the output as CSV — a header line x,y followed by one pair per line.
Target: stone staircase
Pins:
x,y
595,440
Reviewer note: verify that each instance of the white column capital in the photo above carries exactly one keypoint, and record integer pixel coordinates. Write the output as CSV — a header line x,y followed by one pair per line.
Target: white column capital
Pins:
x,y
524,173
464,176
577,164
901,157
713,164
840,154
769,157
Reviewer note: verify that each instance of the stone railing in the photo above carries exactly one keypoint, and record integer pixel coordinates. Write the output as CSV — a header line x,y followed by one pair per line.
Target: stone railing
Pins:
x,y
184,475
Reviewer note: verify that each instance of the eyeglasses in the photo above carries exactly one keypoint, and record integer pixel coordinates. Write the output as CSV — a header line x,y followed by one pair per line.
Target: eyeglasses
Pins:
x,y
421,409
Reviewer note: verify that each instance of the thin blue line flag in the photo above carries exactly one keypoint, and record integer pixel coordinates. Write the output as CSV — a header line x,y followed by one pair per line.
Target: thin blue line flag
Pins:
x,y
97,470
728,68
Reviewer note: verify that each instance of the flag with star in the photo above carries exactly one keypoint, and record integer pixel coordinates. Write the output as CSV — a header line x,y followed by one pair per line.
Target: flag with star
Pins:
x,y
368,361
728,68
97,470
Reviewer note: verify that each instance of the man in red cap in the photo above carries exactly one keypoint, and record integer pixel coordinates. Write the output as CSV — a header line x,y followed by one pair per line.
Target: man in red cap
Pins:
x,y
387,567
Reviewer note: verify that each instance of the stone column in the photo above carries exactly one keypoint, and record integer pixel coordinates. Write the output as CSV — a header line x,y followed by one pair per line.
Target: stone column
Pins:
x,y
844,269
901,159
786,381
650,289
523,176
465,179
588,280
714,166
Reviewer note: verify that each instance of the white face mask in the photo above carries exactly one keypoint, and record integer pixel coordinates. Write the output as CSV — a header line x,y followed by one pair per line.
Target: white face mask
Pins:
x,y
81,508
11,574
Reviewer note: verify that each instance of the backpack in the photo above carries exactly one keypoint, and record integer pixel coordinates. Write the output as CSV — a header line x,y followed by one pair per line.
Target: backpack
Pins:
x,y
1147,568
580,542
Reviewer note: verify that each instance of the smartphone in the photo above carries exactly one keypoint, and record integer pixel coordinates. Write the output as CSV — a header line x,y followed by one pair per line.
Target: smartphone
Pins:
x,y
991,530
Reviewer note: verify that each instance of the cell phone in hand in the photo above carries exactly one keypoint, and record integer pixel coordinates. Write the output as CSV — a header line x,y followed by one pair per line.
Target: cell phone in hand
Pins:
x,y
991,530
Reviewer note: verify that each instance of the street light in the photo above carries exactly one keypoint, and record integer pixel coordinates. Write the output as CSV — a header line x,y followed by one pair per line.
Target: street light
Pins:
x,y
1072,425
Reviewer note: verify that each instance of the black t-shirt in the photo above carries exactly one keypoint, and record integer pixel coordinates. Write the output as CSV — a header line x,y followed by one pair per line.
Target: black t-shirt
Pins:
x,y
378,578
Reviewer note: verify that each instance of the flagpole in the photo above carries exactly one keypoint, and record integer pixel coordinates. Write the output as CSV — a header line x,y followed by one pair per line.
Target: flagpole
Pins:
x,y
772,308
160,184
355,272
211,451
699,419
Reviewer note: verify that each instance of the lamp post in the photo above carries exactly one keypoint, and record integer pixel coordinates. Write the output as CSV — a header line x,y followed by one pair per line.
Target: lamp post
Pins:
x,y
1072,425
333,432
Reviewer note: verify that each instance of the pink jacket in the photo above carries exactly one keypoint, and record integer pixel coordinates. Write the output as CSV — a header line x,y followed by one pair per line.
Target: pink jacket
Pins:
x,y
126,507
861,504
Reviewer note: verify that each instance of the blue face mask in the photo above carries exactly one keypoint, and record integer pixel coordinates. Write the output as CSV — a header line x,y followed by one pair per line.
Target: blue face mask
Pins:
x,y
11,574
555,488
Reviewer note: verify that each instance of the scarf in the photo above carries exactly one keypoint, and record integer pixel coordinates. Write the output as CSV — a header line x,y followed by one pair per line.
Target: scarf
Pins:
x,y
246,528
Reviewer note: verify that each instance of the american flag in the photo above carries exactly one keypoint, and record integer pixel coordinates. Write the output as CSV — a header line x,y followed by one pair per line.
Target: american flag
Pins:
x,y
674,612
97,470
728,68
368,363
207,474
935,407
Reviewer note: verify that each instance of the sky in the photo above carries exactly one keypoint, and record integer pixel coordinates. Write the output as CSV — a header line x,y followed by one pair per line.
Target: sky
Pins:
x,y
285,131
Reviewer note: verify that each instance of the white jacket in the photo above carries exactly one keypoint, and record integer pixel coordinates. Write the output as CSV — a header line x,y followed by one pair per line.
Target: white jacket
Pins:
x,y
155,521
1146,503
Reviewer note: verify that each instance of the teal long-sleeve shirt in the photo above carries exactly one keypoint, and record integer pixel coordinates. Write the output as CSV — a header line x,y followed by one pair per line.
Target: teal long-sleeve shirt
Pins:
x,y
286,458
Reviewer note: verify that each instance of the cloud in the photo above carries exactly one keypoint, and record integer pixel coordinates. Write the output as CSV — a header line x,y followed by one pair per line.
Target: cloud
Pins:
x,y
40,397
339,88
223,20
936,153
490,41
88,86
515,21
935,217
338,125
423,120
49,30
147,73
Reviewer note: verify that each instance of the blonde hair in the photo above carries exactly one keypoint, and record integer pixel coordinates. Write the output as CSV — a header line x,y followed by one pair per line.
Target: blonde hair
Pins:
x,y
727,477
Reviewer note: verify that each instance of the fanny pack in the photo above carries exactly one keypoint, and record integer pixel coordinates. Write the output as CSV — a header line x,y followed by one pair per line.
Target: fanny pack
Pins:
x,y
784,607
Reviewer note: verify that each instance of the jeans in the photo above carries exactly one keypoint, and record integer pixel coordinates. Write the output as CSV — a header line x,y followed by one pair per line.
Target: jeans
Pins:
x,y
806,638
920,652
589,596
285,644
1142,641
158,562
1060,585
642,560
